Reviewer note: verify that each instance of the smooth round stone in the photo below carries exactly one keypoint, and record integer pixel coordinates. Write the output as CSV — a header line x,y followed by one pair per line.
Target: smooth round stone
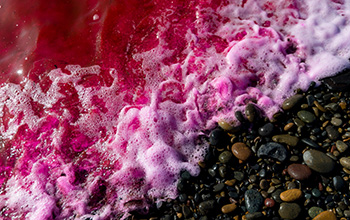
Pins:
x,y
273,150
306,116
266,129
218,187
276,195
338,183
269,202
345,162
316,193
318,161
314,211
225,156
299,171
254,216
286,139
289,210
238,175
250,112
336,121
332,133
291,195
264,184
341,146
217,136
206,206
241,151
291,102
326,215
253,200
228,208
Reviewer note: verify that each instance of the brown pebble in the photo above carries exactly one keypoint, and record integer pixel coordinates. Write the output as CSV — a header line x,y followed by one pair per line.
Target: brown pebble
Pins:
x,y
326,215
299,171
288,126
291,195
241,151
345,162
342,105
228,208
319,106
230,182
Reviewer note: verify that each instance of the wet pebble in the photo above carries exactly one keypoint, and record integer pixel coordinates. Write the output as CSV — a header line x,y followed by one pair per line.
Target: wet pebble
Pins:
x,y
217,136
254,216
289,210
306,116
206,206
273,150
318,161
338,183
266,129
286,139
241,151
332,133
269,202
314,211
336,122
291,102
341,146
228,208
345,162
250,112
299,171
253,200
291,195
225,156
326,215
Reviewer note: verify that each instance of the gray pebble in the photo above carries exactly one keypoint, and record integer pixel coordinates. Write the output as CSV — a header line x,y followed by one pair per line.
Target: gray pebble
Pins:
x,y
336,122
338,183
253,200
341,146
225,156
206,206
273,150
314,211
318,161
291,102
345,162
289,210
306,116
333,134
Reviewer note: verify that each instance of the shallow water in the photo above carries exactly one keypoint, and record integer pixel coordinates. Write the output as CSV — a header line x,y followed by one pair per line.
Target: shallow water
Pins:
x,y
103,103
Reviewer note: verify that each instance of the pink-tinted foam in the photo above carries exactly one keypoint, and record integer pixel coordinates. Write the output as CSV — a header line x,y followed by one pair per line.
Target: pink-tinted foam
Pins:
x,y
112,137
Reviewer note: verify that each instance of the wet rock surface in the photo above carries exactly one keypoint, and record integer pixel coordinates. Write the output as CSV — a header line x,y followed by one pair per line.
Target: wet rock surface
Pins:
x,y
294,166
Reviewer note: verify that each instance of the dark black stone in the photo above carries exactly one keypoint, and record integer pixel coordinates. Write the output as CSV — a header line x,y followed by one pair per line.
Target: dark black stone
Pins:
x,y
310,143
273,150
182,197
338,183
206,206
266,130
217,137
253,200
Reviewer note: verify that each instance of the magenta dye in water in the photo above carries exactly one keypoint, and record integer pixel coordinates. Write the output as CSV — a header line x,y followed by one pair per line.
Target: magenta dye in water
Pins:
x,y
102,102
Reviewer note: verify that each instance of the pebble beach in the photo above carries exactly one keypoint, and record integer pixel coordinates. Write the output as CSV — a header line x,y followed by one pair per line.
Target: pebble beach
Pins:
x,y
295,166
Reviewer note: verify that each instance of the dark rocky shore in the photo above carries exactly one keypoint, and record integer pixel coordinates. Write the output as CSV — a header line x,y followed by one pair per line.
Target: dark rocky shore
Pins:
x,y
296,166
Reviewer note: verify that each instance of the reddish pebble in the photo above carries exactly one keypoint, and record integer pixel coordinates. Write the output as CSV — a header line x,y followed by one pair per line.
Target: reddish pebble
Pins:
x,y
269,202
299,171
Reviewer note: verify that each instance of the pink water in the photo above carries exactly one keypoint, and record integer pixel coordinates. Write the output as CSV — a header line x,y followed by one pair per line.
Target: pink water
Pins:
x,y
103,103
